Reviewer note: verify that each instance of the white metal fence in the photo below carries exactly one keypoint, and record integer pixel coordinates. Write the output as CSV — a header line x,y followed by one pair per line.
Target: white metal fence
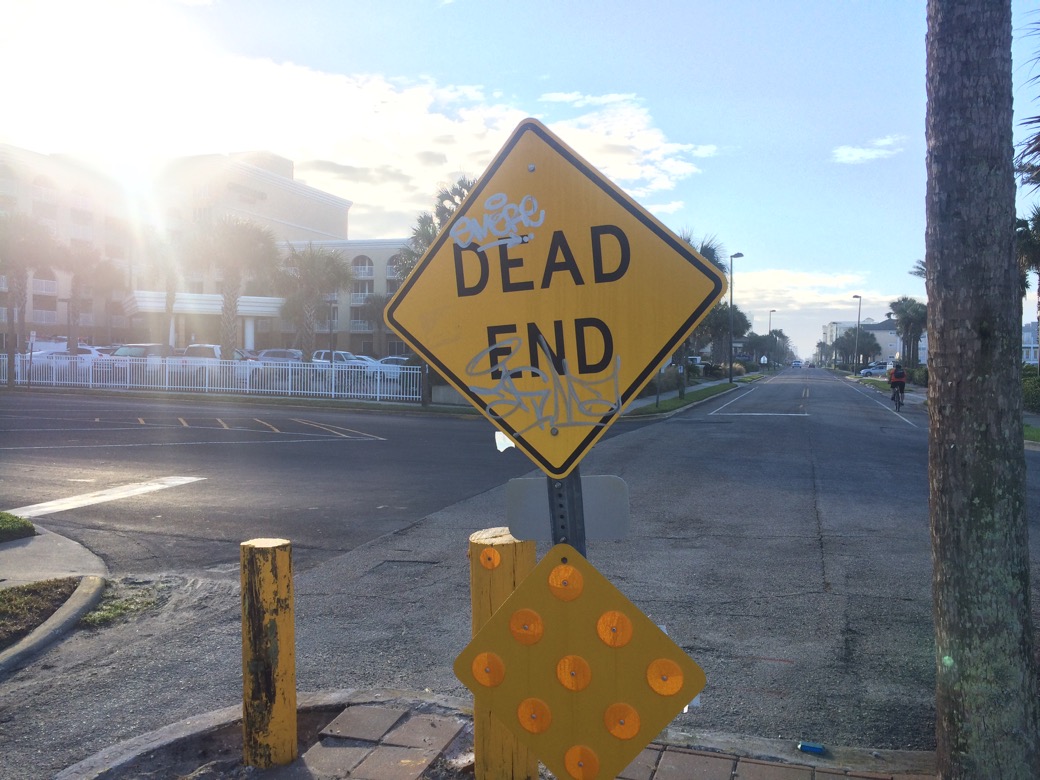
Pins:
x,y
240,377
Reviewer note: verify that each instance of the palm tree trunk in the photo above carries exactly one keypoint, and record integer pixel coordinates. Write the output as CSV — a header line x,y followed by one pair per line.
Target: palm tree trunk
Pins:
x,y
229,322
988,716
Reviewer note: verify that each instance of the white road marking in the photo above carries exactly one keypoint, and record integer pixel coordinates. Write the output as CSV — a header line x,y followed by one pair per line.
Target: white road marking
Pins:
x,y
101,496
338,430
720,413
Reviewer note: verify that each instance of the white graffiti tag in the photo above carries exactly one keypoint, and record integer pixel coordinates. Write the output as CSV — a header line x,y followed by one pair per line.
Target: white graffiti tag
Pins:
x,y
501,224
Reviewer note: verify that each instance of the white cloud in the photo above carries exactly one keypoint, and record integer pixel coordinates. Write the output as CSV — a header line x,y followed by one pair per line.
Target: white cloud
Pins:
x,y
878,149
384,143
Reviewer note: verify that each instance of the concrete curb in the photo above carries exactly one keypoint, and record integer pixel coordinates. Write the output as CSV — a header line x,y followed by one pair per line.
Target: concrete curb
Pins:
x,y
84,598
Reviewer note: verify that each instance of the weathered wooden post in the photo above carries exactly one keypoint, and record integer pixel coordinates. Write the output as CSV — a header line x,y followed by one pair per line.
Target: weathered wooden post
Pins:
x,y
497,564
269,735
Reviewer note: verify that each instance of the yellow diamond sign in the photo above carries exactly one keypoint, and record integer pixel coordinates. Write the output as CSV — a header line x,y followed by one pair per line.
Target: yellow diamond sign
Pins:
x,y
575,671
551,298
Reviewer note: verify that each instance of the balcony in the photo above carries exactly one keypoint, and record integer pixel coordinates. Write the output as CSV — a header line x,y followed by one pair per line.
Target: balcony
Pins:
x,y
41,317
359,299
44,287
361,326
364,272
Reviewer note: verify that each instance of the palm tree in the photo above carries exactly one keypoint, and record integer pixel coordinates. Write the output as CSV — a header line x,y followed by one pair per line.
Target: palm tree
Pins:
x,y
165,260
911,319
25,246
984,636
428,225
1027,249
306,277
82,263
238,249
714,330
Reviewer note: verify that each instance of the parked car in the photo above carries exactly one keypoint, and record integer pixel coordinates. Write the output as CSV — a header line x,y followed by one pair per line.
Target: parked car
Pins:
x,y
274,356
877,368
197,359
62,365
389,368
341,357
132,362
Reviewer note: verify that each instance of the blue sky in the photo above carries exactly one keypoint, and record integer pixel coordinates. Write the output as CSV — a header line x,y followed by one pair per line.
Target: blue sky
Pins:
x,y
792,131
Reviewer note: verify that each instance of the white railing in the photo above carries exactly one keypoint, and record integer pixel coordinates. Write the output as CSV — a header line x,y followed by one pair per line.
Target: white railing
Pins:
x,y
240,377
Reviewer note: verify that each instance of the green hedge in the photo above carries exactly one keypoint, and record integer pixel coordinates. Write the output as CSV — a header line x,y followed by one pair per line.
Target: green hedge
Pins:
x,y
1031,393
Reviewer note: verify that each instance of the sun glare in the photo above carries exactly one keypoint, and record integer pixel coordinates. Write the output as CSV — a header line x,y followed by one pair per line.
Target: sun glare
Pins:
x,y
99,80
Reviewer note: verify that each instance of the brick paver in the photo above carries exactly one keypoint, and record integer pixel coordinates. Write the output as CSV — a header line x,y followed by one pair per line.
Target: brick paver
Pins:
x,y
364,722
394,763
424,731
642,768
678,764
330,758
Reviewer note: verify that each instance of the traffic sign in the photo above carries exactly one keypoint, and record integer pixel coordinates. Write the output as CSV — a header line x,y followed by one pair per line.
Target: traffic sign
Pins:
x,y
551,298
576,671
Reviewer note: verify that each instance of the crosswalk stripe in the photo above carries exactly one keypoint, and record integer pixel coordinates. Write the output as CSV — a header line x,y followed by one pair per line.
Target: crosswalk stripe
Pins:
x,y
101,496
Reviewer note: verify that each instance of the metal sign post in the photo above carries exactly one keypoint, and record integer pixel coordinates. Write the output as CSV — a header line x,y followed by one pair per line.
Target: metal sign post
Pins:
x,y
567,511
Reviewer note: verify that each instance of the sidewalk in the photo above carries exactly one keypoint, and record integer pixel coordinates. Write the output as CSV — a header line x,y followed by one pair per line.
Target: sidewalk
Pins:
x,y
385,735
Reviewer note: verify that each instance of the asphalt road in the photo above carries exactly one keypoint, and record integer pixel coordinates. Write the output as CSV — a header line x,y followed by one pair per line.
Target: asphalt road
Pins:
x,y
327,479
779,533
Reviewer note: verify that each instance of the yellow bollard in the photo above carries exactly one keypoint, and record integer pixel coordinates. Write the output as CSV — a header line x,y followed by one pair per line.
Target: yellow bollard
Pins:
x,y
498,563
268,654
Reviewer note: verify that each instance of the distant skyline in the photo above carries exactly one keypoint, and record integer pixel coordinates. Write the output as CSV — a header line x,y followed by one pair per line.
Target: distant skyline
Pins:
x,y
792,132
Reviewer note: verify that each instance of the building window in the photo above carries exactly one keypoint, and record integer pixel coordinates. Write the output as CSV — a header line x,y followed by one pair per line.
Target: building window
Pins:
x,y
363,268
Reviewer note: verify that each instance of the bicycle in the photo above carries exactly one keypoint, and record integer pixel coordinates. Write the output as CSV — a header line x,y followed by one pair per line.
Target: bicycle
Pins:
x,y
897,398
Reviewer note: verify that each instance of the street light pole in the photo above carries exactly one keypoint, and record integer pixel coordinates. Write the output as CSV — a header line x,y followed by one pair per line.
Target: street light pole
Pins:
x,y
855,357
731,258
772,341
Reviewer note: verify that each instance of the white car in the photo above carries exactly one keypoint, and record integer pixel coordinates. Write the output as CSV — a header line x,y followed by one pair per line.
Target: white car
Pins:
x,y
796,364
389,367
66,365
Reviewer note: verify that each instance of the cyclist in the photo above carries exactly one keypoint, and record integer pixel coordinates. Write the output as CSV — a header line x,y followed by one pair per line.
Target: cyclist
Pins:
x,y
897,381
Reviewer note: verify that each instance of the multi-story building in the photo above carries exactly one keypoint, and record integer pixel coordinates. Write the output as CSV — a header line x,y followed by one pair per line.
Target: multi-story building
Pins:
x,y
83,210
885,333
87,210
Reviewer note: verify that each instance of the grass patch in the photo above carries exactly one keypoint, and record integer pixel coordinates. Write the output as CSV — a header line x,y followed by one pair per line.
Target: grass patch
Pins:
x,y
1032,433
119,601
24,607
13,527
671,404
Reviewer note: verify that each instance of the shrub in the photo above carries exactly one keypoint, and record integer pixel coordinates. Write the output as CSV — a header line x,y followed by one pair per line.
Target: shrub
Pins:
x,y
1031,394
919,376
14,527
669,380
